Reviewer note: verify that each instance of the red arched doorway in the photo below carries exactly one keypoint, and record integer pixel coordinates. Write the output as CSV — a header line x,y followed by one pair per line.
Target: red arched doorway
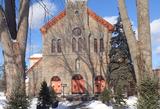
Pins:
x,y
56,84
99,84
77,84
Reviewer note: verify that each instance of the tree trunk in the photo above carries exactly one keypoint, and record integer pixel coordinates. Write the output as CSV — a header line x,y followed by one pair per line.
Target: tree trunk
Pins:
x,y
14,51
130,36
23,30
9,62
144,37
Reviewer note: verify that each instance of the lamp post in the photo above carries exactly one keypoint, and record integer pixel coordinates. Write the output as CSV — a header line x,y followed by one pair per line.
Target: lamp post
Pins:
x,y
63,87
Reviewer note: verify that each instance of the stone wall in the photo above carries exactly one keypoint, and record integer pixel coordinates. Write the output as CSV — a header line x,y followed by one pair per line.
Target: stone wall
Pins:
x,y
64,64
35,79
67,63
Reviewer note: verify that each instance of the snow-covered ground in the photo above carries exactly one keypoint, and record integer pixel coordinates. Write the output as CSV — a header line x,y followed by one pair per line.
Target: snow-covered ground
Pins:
x,y
2,100
131,102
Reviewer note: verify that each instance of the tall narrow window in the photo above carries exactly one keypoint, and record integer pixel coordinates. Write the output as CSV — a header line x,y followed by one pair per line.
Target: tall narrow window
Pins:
x,y
101,45
74,45
84,44
59,49
95,45
53,46
80,42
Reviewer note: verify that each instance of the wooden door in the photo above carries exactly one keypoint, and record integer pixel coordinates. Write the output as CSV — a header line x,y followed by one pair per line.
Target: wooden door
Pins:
x,y
99,84
77,84
56,84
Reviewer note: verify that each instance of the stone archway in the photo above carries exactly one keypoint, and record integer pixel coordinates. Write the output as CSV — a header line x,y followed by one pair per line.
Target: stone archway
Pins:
x,y
77,84
56,84
99,84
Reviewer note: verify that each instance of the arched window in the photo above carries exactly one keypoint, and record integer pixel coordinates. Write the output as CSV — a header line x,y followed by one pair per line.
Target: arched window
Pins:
x,y
101,45
80,43
53,46
95,45
59,49
74,45
84,43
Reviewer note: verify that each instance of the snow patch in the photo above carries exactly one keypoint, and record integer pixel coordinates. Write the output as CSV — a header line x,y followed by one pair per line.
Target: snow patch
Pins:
x,y
2,100
98,105
36,56
13,40
131,102
64,105
33,103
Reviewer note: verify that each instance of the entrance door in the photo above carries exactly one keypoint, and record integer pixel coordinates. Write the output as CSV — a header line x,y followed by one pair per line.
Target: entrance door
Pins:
x,y
77,84
56,84
99,84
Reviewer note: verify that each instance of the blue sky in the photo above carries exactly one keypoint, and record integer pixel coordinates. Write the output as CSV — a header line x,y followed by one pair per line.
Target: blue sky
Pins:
x,y
107,9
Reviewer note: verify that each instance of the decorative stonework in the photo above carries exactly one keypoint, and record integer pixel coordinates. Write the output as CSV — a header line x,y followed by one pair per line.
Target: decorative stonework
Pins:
x,y
53,21
99,19
76,31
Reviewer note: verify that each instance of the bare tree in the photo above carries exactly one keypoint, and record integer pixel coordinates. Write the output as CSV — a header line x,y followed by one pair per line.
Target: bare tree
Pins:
x,y
13,37
140,49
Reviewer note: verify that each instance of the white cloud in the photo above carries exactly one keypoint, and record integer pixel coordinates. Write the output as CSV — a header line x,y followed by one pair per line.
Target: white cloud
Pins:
x,y
155,31
111,19
37,13
155,26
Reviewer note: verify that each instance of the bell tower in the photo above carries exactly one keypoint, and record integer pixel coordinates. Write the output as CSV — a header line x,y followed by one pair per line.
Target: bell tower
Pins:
x,y
76,11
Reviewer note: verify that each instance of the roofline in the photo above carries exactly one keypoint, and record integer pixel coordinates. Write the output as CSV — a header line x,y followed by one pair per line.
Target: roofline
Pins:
x,y
30,69
55,19
35,57
52,22
99,19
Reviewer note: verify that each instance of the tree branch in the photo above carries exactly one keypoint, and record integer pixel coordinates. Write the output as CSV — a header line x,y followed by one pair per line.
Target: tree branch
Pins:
x,y
10,14
23,27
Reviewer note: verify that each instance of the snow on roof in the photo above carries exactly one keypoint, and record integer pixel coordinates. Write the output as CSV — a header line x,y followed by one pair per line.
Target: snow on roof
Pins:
x,y
36,56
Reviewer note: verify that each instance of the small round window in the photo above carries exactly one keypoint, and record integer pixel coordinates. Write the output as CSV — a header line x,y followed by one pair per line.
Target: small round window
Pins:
x,y
76,31
77,12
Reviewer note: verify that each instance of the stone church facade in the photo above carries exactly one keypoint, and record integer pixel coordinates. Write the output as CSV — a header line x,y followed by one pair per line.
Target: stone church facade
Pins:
x,y
75,52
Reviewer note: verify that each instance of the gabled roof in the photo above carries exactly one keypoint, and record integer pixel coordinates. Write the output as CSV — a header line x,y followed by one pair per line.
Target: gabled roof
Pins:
x,y
100,20
92,14
34,65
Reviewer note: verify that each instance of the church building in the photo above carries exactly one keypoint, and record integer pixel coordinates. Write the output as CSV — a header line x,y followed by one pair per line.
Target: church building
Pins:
x,y
75,52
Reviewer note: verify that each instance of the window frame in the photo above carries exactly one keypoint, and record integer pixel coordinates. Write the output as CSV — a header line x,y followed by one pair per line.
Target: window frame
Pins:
x,y
53,46
59,46
95,45
101,45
